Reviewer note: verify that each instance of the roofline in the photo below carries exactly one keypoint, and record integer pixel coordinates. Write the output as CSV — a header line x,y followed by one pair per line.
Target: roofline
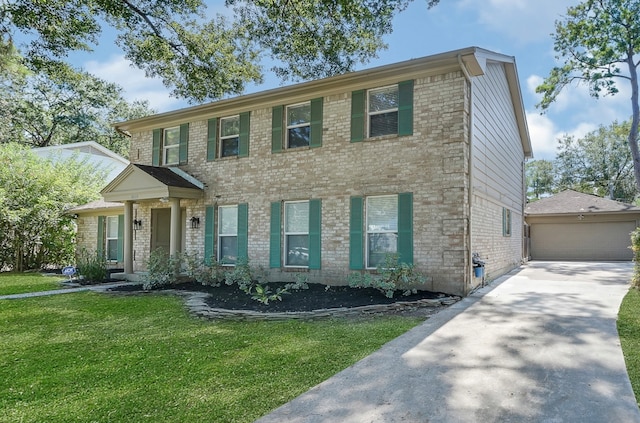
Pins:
x,y
584,213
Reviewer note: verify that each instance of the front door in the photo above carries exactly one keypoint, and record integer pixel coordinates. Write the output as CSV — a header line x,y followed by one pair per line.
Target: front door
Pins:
x,y
161,229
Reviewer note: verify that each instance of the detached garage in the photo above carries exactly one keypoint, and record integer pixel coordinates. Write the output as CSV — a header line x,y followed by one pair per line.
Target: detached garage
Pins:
x,y
575,226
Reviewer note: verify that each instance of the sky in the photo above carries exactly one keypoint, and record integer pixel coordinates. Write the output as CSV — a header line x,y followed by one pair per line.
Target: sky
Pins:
x,y
519,28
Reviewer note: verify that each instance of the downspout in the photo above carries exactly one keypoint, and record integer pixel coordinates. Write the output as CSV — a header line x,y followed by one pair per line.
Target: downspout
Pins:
x,y
469,270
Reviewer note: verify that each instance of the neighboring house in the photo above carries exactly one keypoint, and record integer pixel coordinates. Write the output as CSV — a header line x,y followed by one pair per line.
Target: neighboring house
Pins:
x,y
571,225
423,158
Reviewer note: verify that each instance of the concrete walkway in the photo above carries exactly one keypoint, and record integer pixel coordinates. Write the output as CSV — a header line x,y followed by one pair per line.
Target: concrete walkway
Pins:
x,y
539,345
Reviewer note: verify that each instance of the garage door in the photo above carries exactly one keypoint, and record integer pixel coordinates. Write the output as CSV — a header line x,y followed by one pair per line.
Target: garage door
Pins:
x,y
581,241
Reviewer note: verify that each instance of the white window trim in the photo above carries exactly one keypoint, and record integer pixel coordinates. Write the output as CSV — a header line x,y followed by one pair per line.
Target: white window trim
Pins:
x,y
299,125
107,238
226,137
382,231
379,112
286,239
221,235
166,148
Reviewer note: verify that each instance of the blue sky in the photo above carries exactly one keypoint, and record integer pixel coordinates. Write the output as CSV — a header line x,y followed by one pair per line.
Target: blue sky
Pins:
x,y
519,28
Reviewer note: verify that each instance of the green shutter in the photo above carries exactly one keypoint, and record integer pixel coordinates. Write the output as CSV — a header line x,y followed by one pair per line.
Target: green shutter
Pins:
x,y
184,143
209,235
101,228
275,242
405,228
405,108
355,234
243,138
120,238
315,236
357,115
316,122
156,150
276,129
243,231
212,139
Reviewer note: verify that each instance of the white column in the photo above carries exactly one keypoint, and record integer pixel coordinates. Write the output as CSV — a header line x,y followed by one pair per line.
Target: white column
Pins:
x,y
176,227
128,237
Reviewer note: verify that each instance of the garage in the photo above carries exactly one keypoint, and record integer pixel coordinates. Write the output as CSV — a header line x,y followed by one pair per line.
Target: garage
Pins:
x,y
576,226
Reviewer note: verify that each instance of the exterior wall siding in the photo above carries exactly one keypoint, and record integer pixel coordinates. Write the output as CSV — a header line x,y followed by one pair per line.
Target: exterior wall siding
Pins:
x,y
498,179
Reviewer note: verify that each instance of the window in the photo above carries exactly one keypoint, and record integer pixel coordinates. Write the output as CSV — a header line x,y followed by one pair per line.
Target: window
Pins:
x,y
229,136
228,235
296,233
299,125
111,238
382,111
506,222
382,228
171,146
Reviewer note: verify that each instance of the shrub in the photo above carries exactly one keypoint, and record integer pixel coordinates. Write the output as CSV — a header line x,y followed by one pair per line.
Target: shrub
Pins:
x,y
206,272
92,266
162,269
391,276
635,246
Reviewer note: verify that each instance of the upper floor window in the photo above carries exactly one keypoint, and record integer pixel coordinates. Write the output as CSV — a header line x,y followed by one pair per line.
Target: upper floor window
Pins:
x,y
299,125
382,111
229,136
171,146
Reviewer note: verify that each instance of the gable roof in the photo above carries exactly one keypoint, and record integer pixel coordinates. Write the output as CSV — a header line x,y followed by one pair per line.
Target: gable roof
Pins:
x,y
573,202
141,182
471,60
95,206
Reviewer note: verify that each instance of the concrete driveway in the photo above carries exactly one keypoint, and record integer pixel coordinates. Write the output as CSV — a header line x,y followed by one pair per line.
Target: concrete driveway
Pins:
x,y
538,345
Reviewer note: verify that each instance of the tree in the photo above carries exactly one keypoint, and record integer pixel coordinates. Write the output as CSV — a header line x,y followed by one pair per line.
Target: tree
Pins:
x,y
599,163
540,179
598,43
204,59
34,193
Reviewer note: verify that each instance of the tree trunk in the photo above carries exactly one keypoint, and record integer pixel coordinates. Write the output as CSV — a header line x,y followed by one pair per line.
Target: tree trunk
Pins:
x,y
635,120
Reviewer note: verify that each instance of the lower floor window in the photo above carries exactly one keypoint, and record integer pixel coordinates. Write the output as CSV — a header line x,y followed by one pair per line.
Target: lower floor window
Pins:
x,y
296,233
228,235
382,228
111,238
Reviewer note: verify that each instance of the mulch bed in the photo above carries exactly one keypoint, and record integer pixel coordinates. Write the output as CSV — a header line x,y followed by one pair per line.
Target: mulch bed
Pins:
x,y
317,297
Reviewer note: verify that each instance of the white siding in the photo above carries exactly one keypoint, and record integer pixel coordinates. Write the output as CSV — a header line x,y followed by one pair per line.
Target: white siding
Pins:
x,y
497,172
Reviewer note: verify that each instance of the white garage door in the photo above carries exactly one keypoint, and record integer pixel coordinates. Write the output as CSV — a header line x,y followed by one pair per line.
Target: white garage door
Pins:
x,y
581,241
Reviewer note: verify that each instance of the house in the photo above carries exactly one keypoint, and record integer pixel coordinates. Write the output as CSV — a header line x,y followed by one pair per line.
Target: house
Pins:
x,y
572,225
423,158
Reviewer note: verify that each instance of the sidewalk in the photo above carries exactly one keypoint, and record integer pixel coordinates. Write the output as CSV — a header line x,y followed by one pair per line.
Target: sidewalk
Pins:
x,y
539,345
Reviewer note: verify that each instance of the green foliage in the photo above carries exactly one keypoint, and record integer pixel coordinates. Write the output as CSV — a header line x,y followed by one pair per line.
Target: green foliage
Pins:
x,y
206,272
635,246
200,56
628,324
92,266
162,269
391,276
540,178
34,194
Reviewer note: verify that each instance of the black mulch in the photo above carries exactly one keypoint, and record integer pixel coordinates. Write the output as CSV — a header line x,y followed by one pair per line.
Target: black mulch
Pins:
x,y
315,298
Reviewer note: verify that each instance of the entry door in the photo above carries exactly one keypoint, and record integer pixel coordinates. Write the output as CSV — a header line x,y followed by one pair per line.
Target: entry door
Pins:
x,y
161,229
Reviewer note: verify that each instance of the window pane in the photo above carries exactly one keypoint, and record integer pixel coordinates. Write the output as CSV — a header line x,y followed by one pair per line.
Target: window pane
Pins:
x,y
228,221
230,126
297,217
229,147
382,213
383,99
112,249
379,246
383,124
228,249
297,250
172,136
112,227
300,114
299,137
171,155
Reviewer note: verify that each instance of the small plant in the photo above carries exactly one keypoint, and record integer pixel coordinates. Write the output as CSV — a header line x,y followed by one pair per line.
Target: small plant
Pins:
x,y
263,294
92,266
209,273
302,282
162,269
635,246
241,275
391,277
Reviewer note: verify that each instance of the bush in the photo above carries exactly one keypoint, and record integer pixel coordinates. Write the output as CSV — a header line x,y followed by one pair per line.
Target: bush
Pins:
x,y
162,269
206,272
391,276
92,266
635,246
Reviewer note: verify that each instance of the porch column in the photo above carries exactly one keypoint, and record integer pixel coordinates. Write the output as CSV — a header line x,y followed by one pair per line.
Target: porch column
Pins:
x,y
128,237
176,227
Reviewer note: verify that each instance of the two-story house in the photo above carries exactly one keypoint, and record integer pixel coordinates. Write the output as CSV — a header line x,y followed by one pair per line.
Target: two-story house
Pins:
x,y
423,158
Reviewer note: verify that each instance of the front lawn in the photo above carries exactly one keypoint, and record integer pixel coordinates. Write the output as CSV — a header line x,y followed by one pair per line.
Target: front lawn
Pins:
x,y
19,283
115,358
629,331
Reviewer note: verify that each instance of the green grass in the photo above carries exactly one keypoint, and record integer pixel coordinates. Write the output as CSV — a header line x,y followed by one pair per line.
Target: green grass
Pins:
x,y
90,357
629,331
19,283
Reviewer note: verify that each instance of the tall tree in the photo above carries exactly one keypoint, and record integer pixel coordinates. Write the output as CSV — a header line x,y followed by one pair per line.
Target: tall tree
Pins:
x,y
540,179
204,58
598,43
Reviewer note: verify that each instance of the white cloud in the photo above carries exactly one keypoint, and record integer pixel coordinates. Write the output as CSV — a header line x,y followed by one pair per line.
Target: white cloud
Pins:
x,y
544,134
135,84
